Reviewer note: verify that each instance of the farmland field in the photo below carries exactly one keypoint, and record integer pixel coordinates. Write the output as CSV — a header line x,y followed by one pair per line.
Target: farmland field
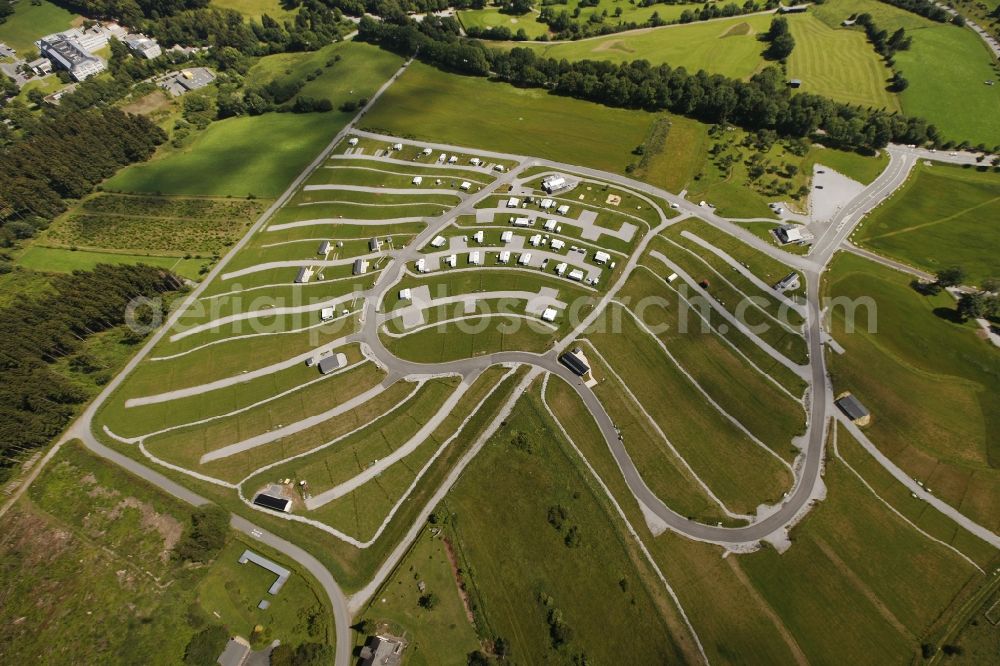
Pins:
x,y
942,216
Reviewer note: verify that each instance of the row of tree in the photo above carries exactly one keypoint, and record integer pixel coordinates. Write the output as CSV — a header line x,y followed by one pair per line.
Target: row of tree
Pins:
x,y
924,8
35,401
130,12
66,154
779,39
763,102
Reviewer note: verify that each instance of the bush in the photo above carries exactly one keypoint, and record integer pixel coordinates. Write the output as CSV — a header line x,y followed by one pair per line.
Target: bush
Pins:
x,y
206,536
205,646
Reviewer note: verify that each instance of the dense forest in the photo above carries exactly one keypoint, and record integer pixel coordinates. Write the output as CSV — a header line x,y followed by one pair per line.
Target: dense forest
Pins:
x,y
763,102
36,402
62,156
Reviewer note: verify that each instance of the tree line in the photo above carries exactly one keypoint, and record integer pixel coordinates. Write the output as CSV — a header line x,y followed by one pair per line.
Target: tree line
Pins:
x,y
64,155
924,8
887,45
37,402
763,102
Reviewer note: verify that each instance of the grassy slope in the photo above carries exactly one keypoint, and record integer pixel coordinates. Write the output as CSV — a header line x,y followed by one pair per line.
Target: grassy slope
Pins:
x,y
474,112
491,17
227,158
516,565
942,216
930,384
30,22
62,260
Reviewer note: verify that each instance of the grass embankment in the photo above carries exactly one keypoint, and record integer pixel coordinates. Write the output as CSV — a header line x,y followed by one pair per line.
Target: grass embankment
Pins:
x,y
930,383
32,21
942,216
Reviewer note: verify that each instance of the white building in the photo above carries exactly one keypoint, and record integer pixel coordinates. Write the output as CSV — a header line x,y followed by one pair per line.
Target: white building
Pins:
x,y
576,274
360,266
144,46
601,257
547,203
326,314
353,141
426,151
451,260
513,202
522,222
557,244
479,236
506,236
474,259
524,258
438,241
504,257
563,210
535,240
453,159
465,186
69,53
397,146
550,225
421,265
561,268
553,183
475,161
549,314
305,273
417,180
405,295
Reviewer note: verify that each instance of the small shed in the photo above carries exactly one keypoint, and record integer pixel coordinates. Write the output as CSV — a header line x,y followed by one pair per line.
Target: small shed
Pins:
x,y
853,409
795,83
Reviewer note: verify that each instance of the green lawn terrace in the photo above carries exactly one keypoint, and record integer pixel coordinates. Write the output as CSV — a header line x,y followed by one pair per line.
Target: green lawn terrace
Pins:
x,y
412,153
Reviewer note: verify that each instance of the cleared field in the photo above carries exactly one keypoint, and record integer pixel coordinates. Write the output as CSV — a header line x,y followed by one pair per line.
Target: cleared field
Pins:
x,y
474,336
255,8
931,384
492,18
89,554
565,562
522,121
862,168
64,260
717,451
442,636
226,159
942,216
839,64
31,21
727,47
155,224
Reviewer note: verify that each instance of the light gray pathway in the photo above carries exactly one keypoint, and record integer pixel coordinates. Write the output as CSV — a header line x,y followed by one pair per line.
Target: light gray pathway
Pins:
x,y
402,191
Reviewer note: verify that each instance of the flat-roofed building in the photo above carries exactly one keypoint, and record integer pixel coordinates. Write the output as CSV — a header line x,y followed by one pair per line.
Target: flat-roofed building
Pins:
x,y
331,363
524,259
273,502
513,202
550,225
465,186
549,314
506,236
374,245
576,362
421,265
144,46
561,268
69,54
522,222
553,184
405,295
479,236
474,258
557,244
576,274
503,257
601,257
563,210
451,260
360,267
438,241
323,248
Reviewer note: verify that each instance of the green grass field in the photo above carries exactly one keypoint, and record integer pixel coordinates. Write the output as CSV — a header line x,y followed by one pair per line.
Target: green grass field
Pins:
x,y
63,260
491,17
228,159
839,64
31,22
931,385
505,118
521,572
727,47
942,216
946,67
256,8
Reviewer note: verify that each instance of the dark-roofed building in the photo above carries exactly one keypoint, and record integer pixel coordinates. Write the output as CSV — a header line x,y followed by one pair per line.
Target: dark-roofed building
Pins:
x,y
71,55
575,362
788,283
331,363
854,410
374,245
323,248
273,503
795,83
360,267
